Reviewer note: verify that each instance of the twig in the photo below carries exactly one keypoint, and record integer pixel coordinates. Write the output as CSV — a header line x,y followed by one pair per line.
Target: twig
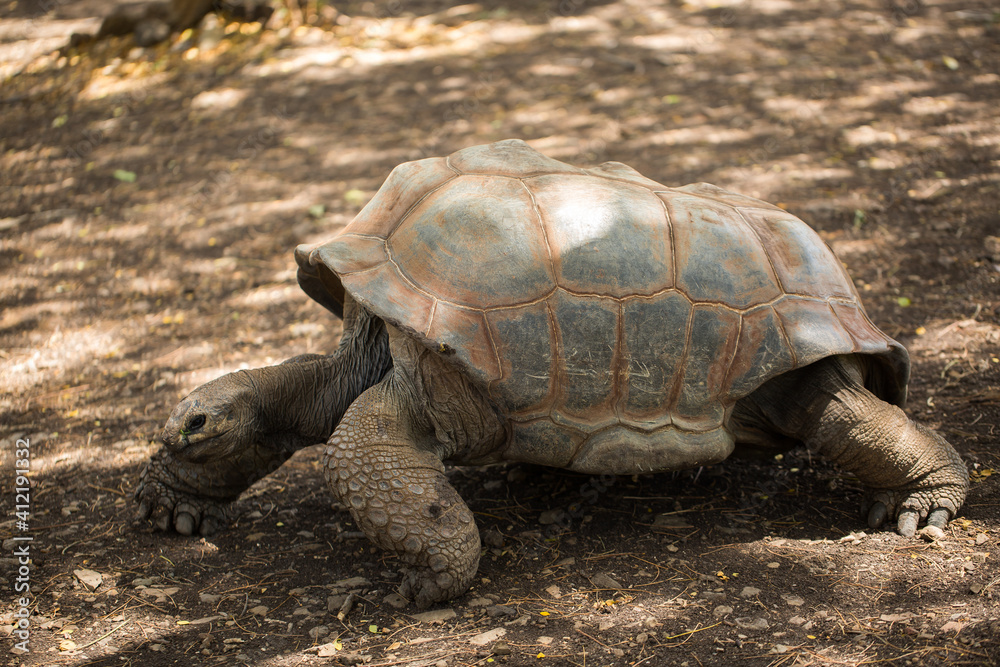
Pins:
x,y
345,608
106,634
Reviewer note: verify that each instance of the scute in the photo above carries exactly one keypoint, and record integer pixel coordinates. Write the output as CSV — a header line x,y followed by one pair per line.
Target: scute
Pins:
x,y
476,243
614,321
606,237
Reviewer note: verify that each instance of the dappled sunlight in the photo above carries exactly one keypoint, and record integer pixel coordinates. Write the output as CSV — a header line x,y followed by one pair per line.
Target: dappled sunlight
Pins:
x,y
150,202
64,351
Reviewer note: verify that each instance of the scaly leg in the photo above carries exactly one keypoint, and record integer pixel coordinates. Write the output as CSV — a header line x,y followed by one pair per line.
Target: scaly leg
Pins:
x,y
399,496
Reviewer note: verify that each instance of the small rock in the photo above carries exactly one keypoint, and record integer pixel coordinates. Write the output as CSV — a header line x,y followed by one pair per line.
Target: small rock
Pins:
x,y
931,533
501,610
992,245
488,637
480,602
319,631
755,623
545,641
642,638
774,565
554,591
89,578
209,598
335,602
749,592
793,600
618,653
549,517
722,611
435,616
981,539
602,580
392,599
796,620
493,538
714,596
353,582
501,648
259,610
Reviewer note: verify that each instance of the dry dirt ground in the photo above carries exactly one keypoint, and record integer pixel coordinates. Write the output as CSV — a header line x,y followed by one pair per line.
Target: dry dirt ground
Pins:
x,y
150,200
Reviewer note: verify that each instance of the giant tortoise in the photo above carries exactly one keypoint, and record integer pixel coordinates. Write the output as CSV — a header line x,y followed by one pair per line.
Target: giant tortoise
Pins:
x,y
500,305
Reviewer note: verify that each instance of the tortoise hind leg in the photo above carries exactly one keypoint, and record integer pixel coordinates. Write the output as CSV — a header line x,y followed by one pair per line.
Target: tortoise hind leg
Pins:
x,y
399,496
913,474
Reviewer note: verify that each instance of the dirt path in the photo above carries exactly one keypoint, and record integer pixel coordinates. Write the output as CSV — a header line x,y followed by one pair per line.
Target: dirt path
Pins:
x,y
149,202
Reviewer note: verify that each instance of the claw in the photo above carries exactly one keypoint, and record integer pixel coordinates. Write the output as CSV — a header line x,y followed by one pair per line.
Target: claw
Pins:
x,y
877,515
184,523
162,517
938,517
907,523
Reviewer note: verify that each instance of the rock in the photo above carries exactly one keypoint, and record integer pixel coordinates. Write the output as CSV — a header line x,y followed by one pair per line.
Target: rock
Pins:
x,y
722,611
501,648
353,582
793,600
992,245
550,517
319,631
259,610
749,592
752,623
480,602
981,539
501,610
488,637
798,620
602,580
393,600
774,565
435,616
493,538
89,578
209,598
931,533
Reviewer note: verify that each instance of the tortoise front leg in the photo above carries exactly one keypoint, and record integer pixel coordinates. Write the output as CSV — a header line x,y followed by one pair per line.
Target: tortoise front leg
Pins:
x,y
912,473
399,496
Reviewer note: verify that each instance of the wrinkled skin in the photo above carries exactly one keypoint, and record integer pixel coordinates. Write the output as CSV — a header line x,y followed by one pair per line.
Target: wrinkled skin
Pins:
x,y
391,422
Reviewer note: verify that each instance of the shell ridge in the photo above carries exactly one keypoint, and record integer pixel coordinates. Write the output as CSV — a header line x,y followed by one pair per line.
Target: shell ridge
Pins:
x,y
784,332
417,203
727,378
540,220
675,390
763,246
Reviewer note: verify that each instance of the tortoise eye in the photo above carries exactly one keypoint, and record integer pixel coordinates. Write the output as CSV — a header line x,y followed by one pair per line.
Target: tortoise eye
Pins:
x,y
196,423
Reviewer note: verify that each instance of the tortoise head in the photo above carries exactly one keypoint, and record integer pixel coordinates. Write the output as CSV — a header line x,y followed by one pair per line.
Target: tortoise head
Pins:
x,y
216,420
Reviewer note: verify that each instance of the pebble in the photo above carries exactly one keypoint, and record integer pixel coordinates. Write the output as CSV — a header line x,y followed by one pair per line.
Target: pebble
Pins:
x,y
981,539
601,580
722,611
501,648
793,600
773,565
209,598
259,610
353,582
480,602
755,623
435,616
500,610
488,637
549,517
931,533
393,600
749,592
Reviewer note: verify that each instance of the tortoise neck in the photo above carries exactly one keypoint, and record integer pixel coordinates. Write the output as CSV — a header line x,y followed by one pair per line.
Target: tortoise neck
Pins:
x,y
305,397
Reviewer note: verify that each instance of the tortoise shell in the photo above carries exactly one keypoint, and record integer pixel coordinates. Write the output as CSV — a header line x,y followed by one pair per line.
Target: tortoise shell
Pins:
x,y
612,320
